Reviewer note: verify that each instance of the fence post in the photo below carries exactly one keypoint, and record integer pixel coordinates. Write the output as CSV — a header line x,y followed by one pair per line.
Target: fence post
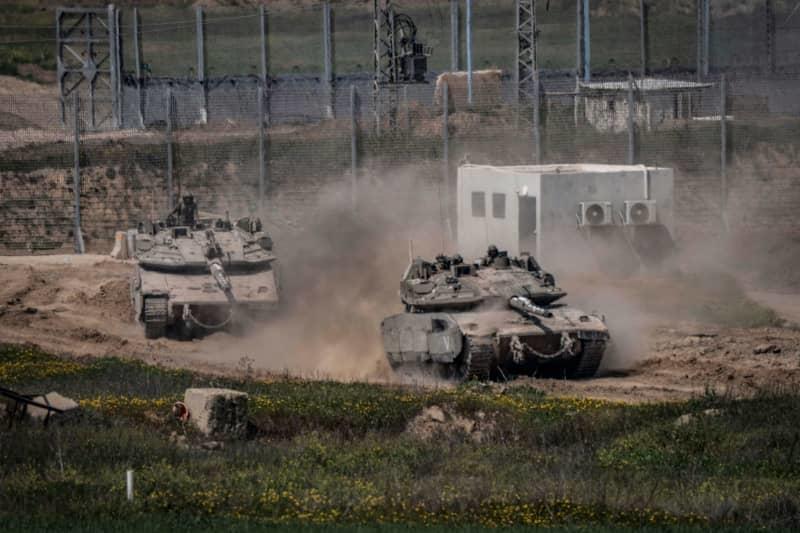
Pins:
x,y
706,35
327,49
353,145
643,34
170,201
587,42
723,128
201,61
137,58
702,45
537,116
469,52
264,27
112,57
129,485
446,143
262,159
407,109
769,9
578,39
455,42
120,66
631,122
76,185
517,74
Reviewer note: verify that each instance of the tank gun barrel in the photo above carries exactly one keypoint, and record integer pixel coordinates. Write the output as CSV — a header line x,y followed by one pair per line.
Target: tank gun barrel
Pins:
x,y
222,279
525,306
213,253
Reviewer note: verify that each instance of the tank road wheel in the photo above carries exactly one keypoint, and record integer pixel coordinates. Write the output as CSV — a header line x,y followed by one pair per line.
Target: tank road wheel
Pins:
x,y
155,317
479,358
587,363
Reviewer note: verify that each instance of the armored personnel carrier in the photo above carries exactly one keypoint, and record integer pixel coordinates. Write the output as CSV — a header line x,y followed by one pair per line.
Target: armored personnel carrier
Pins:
x,y
491,319
201,273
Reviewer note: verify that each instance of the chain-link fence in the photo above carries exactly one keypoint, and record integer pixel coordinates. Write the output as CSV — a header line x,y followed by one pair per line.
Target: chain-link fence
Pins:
x,y
242,145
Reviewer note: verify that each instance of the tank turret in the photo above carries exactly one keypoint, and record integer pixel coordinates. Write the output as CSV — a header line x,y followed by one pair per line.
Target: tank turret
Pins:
x,y
200,273
497,316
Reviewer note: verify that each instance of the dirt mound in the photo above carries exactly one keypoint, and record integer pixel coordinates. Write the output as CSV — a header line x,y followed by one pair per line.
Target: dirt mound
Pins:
x,y
114,297
435,421
12,86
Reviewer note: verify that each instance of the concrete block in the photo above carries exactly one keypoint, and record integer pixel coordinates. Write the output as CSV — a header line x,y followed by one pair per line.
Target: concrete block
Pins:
x,y
52,399
120,250
217,411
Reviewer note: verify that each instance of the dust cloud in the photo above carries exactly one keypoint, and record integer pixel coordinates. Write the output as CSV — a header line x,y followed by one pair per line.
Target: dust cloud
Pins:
x,y
340,272
340,269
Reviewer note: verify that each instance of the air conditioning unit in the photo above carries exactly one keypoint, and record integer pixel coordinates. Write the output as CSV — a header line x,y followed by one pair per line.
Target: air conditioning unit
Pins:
x,y
640,212
596,214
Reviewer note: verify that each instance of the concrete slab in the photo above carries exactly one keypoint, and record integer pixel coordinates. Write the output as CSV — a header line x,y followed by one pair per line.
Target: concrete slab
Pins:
x,y
217,411
52,399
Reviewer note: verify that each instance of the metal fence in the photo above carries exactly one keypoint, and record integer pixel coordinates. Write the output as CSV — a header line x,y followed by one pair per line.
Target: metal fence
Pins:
x,y
242,146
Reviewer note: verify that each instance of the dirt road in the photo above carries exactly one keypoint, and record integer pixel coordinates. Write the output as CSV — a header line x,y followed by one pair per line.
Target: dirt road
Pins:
x,y
79,306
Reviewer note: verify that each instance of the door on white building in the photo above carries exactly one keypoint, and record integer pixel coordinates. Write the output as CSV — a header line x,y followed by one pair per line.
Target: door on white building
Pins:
x,y
527,224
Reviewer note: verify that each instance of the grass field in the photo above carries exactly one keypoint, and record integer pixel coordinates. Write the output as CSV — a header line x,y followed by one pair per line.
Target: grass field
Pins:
x,y
325,453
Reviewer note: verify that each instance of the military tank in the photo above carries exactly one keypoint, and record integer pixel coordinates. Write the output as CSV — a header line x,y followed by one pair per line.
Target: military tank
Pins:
x,y
201,273
492,319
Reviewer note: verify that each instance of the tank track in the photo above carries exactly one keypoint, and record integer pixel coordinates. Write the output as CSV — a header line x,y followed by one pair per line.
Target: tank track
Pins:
x,y
478,363
155,317
588,362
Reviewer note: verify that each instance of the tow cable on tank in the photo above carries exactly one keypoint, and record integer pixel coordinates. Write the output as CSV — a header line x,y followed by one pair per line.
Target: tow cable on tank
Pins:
x,y
520,350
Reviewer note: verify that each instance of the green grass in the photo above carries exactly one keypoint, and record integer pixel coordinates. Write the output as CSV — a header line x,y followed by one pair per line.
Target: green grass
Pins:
x,y
339,453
